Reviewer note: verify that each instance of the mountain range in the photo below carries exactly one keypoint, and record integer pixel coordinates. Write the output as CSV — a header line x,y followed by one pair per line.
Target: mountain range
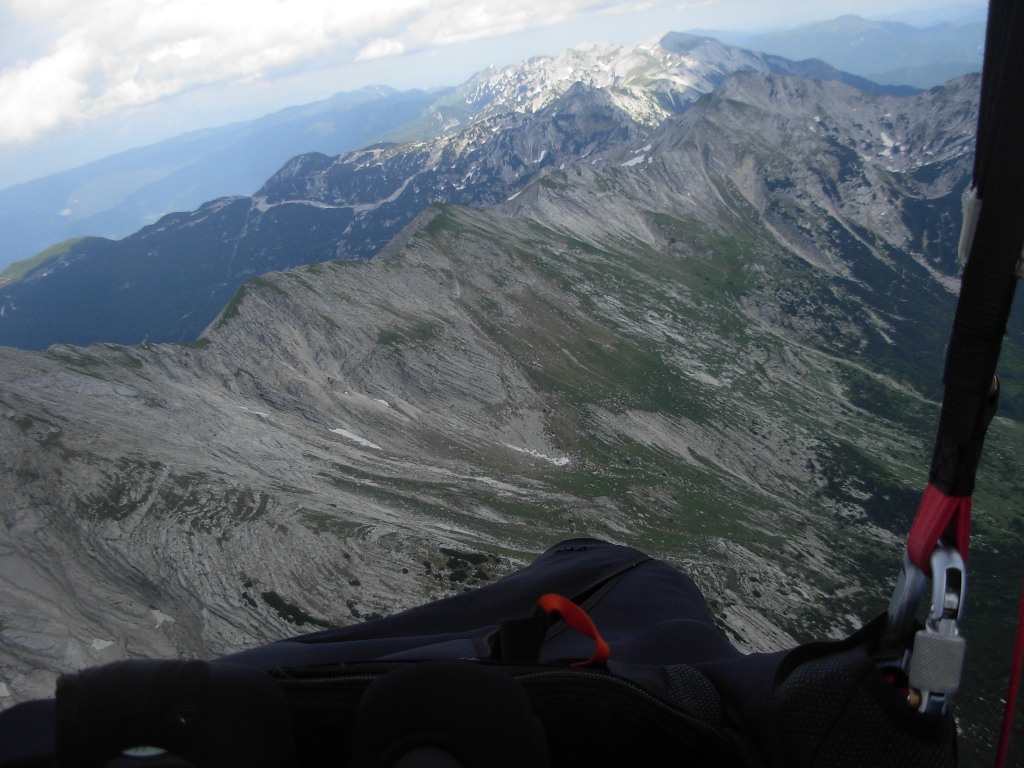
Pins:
x,y
504,127
884,51
707,323
115,196
118,195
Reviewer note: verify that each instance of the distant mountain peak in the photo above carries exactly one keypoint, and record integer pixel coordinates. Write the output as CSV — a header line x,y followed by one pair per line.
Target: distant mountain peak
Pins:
x,y
681,42
650,80
884,51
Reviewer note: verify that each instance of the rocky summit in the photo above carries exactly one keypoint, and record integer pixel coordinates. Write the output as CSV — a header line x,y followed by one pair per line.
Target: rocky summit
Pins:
x,y
718,340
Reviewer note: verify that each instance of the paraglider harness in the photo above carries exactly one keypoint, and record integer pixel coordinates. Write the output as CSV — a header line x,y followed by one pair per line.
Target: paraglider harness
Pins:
x,y
596,653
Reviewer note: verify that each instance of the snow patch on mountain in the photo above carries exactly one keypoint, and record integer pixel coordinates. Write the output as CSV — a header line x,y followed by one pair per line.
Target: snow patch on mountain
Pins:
x,y
558,461
356,438
649,81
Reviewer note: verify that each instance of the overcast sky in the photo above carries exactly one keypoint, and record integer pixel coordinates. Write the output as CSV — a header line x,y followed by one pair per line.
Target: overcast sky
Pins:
x,y
83,78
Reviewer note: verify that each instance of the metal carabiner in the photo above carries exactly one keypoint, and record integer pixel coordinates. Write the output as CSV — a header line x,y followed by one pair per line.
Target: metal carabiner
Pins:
x,y
933,661
949,586
894,647
937,660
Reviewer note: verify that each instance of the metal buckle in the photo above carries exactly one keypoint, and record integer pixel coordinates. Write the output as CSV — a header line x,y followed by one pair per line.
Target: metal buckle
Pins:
x,y
934,665
937,661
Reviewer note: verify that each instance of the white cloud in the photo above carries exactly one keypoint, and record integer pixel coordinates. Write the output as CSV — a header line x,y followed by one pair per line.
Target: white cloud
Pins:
x,y
636,7
381,47
458,22
102,56
37,96
74,62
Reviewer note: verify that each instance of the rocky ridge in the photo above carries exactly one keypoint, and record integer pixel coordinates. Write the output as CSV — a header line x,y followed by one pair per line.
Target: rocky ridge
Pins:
x,y
500,131
650,81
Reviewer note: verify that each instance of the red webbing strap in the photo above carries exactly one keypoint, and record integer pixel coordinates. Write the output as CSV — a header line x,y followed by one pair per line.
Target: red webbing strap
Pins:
x,y
1012,688
939,516
578,619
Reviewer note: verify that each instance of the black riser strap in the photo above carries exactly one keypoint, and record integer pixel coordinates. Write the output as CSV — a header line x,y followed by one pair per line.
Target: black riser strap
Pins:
x,y
989,280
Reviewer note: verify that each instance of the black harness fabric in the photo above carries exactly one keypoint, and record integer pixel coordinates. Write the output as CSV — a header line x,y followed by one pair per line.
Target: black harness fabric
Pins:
x,y
430,684
832,707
